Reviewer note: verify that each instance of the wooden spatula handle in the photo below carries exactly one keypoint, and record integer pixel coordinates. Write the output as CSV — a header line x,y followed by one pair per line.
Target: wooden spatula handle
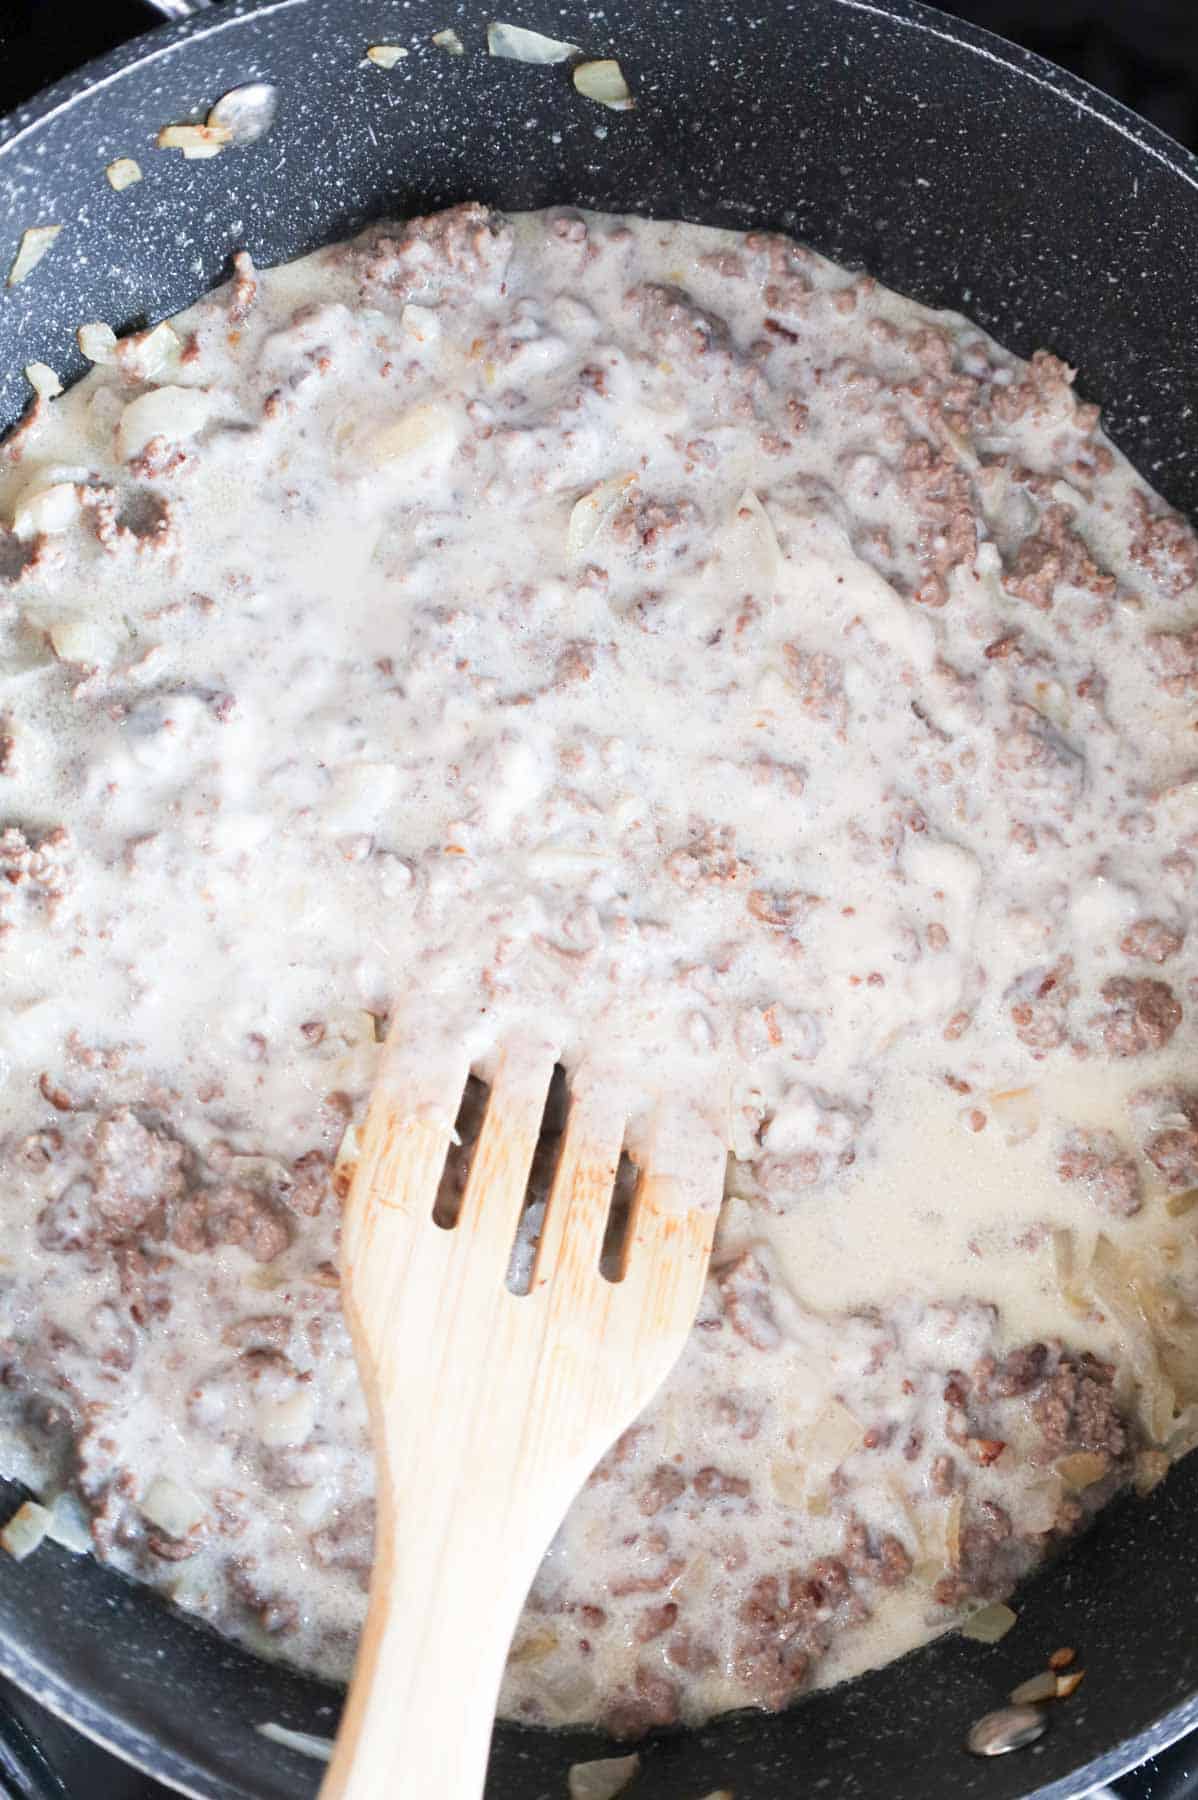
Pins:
x,y
443,1608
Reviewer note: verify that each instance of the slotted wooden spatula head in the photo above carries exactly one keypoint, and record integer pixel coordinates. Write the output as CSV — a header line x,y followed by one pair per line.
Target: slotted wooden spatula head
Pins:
x,y
490,1408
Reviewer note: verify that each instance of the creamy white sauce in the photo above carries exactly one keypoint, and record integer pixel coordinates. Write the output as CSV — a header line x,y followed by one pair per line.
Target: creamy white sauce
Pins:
x,y
485,629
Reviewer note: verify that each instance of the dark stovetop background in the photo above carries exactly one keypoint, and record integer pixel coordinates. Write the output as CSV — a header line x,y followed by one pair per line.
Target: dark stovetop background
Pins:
x,y
1143,52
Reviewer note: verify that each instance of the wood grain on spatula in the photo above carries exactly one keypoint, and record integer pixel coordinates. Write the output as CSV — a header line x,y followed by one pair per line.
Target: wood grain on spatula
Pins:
x,y
490,1408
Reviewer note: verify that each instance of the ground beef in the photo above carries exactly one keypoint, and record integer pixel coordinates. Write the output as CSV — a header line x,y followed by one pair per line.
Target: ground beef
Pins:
x,y
35,869
779,1611
232,1214
1099,1160
1167,1120
448,252
1152,940
1163,545
663,1486
1017,1373
19,557
674,323
1142,1018
1175,654
655,1620
67,1221
276,1614
710,856
1070,1400
348,1540
1042,389
646,521
1055,555
243,289
887,1561
310,1183
651,1702
136,1170
819,681
1039,1007
714,1484
1034,756
991,1559
788,1621
946,509
1075,1409
744,1287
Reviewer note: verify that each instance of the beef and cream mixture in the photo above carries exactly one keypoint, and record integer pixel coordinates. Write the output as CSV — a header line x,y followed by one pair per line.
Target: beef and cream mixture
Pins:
x,y
658,643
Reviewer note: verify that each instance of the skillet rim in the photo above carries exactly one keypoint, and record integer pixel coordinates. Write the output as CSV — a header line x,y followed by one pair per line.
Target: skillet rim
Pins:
x,y
19,128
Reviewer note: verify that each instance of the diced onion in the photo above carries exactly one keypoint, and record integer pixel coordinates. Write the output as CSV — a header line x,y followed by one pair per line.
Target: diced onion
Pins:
x,y
84,641
43,380
288,1421
1110,1278
590,514
789,1482
421,322
1040,1505
69,1524
1082,1469
1151,1468
834,1435
450,42
534,1648
422,437
1184,1436
1068,1684
346,1160
928,1571
167,412
385,56
145,354
604,81
751,514
1065,1270
33,246
246,112
26,1530
195,141
990,1624
953,1514
123,173
519,45
172,1508
46,509
1017,1111
352,1025
602,1779
305,1742
97,341
1038,1687
1052,703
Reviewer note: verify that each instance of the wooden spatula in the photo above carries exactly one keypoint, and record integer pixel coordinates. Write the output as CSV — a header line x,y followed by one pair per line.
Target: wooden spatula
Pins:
x,y
489,1408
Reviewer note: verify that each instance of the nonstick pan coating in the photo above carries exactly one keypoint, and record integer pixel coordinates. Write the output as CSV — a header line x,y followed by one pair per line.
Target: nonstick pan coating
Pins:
x,y
955,168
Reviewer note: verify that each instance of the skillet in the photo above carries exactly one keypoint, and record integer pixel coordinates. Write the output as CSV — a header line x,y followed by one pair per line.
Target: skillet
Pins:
x,y
957,169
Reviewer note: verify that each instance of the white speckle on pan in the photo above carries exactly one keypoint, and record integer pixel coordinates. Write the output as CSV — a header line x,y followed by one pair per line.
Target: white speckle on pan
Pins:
x,y
1026,74
151,56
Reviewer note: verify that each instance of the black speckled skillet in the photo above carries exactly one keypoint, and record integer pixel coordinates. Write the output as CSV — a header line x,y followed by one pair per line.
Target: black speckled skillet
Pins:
x,y
956,168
